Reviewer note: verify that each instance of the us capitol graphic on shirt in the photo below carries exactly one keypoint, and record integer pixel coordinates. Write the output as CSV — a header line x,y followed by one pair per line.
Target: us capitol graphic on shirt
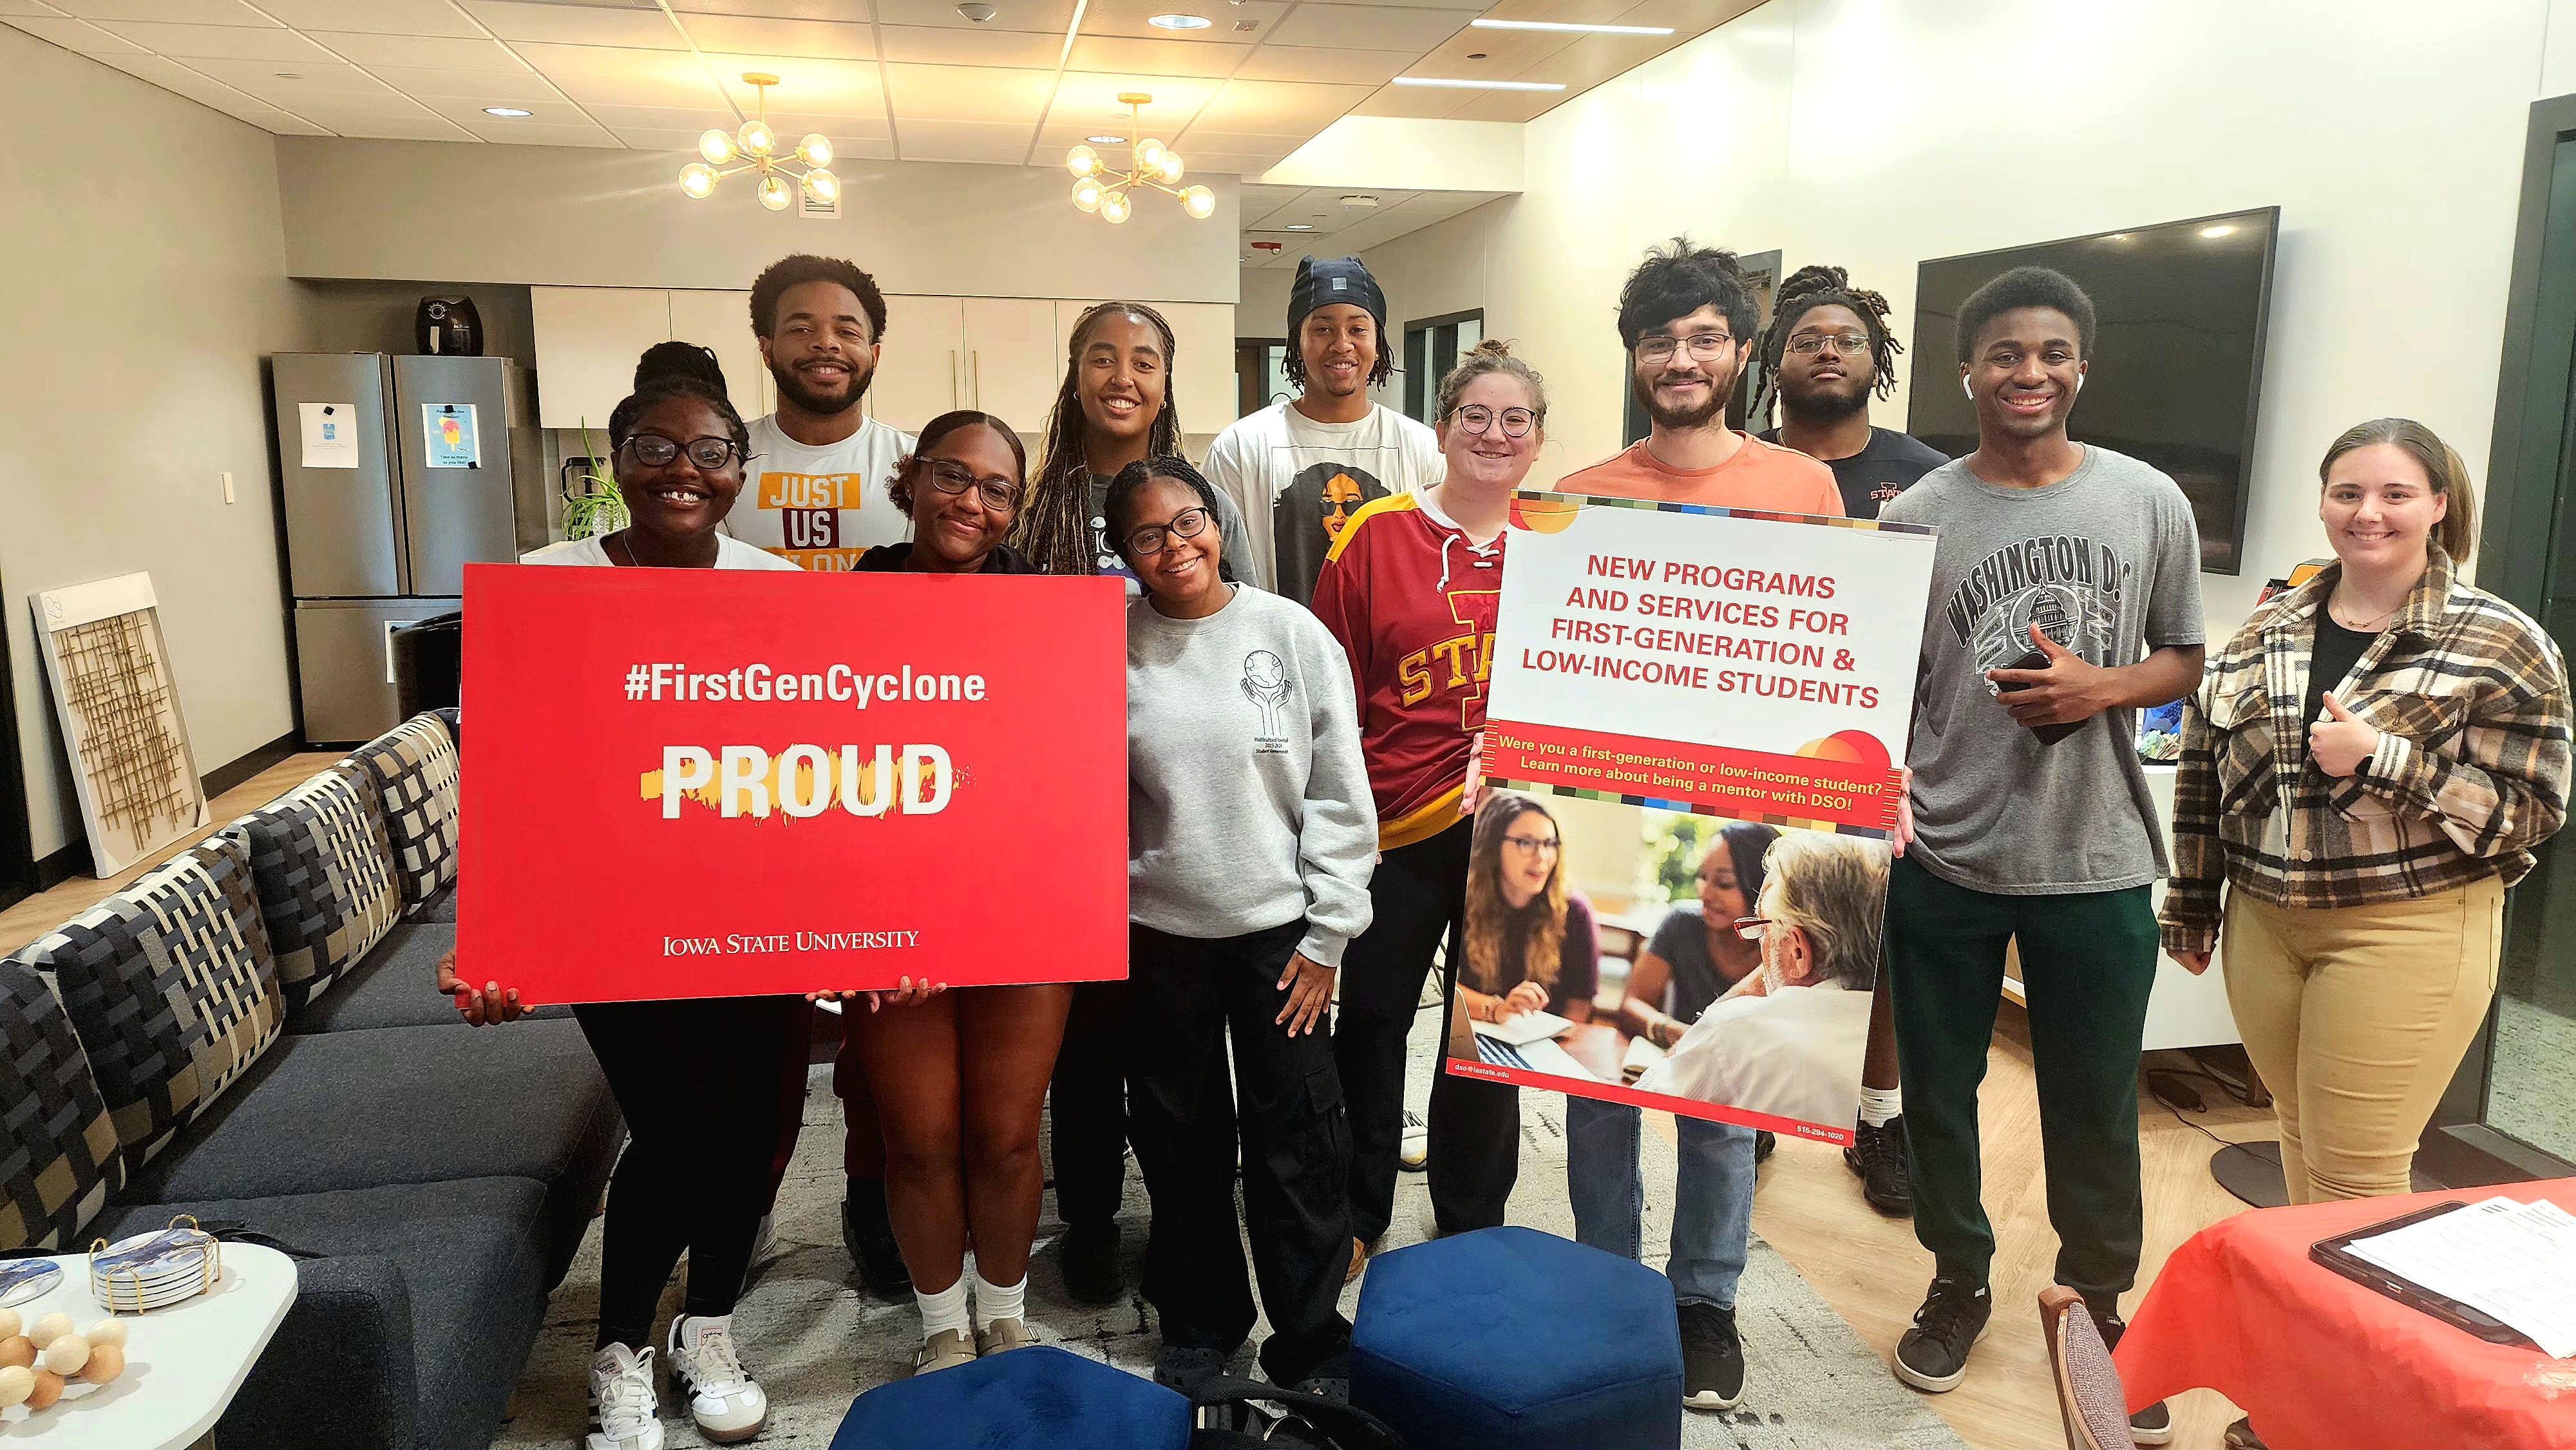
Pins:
x,y
2070,587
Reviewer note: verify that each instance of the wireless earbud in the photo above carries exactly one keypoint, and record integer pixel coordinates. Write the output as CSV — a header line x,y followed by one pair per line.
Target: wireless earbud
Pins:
x,y
1971,392
2079,382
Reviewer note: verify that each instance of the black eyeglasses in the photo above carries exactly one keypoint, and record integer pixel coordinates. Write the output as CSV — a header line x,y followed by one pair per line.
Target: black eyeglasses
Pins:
x,y
1849,344
997,491
654,451
1476,418
1150,540
1704,347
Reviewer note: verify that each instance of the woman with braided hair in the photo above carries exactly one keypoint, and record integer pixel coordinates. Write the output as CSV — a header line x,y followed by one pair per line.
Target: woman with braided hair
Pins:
x,y
1828,351
1115,407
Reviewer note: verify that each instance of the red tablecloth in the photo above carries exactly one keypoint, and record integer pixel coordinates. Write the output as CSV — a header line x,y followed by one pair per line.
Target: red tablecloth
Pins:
x,y
2320,1361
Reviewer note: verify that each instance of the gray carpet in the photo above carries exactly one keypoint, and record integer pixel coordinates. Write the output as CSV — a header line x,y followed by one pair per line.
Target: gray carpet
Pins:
x,y
2531,1094
816,1341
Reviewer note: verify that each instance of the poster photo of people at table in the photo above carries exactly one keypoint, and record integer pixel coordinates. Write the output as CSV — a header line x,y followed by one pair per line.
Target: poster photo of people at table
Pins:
x,y
1716,968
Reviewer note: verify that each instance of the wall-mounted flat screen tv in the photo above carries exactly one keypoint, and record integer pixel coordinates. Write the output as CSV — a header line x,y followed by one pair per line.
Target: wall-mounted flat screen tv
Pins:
x,y
2177,366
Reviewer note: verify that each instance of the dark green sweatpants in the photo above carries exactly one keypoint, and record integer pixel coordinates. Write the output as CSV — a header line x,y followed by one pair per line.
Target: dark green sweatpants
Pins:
x,y
2088,961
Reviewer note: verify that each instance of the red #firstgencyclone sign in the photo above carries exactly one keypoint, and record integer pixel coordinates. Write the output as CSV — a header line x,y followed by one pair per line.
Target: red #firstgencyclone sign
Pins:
x,y
703,783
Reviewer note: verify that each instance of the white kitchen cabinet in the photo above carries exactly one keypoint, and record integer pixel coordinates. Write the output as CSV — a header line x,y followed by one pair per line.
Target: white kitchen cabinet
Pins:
x,y
588,339
1203,333
1013,365
722,320
921,369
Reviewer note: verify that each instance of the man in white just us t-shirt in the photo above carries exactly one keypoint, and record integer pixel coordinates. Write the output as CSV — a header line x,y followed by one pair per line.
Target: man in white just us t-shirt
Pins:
x,y
1300,469
815,489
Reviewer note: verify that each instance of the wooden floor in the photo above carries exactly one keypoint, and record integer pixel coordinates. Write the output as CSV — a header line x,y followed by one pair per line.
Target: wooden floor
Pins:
x,y
42,912
1867,1266
1871,1270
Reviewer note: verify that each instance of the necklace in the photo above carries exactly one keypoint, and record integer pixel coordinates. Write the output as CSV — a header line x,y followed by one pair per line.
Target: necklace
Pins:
x,y
619,539
2362,626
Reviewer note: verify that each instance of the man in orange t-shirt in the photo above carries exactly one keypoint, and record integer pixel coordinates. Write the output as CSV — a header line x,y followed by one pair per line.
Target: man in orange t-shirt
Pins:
x,y
1687,320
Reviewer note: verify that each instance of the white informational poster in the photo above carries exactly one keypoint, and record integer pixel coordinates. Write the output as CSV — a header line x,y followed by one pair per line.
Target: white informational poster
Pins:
x,y
1690,766
449,438
330,434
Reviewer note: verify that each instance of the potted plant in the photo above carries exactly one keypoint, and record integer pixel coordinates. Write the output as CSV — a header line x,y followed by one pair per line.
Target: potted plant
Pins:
x,y
592,506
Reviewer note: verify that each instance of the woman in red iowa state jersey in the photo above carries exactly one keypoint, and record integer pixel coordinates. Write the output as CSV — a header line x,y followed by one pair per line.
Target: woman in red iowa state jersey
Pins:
x,y
1410,589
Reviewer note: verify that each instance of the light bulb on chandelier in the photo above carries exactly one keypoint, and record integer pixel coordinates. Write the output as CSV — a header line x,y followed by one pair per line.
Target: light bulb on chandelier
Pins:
x,y
1105,190
753,147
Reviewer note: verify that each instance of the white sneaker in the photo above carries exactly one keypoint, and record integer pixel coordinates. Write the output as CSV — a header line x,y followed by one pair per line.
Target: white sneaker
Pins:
x,y
1414,1149
726,1402
623,1407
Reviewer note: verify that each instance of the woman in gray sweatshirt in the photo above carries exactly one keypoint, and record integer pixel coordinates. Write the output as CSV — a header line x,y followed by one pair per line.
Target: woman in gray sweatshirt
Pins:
x,y
1251,836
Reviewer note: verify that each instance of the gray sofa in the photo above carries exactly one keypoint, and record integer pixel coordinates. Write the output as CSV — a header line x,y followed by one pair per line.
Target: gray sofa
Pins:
x,y
249,1034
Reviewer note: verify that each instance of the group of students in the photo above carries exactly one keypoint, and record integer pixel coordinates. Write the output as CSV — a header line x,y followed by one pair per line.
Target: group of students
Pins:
x,y
1308,635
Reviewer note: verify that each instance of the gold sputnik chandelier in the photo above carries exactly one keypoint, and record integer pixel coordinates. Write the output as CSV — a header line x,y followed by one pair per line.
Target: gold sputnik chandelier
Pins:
x,y
755,146
1104,192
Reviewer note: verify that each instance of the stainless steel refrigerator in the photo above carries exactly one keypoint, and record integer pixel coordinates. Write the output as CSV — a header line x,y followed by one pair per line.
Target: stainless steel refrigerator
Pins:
x,y
396,472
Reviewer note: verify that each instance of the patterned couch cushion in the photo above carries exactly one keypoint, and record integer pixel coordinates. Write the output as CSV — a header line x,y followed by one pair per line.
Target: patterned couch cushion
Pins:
x,y
58,1158
324,870
413,766
171,987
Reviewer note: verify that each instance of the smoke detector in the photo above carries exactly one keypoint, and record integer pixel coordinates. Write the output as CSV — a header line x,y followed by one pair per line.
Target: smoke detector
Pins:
x,y
977,11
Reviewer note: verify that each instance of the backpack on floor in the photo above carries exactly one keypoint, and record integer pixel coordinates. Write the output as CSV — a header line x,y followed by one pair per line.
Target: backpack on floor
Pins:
x,y
1240,1414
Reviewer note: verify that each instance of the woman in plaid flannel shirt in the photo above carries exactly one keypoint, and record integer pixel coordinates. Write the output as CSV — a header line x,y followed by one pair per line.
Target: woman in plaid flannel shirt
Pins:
x,y
2370,761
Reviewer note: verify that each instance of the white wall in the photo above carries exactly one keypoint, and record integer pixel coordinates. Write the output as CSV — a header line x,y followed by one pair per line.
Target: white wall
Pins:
x,y
1877,133
147,280
580,217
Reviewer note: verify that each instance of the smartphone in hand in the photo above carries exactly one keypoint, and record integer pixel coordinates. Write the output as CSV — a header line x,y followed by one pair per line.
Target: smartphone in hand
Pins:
x,y
2048,734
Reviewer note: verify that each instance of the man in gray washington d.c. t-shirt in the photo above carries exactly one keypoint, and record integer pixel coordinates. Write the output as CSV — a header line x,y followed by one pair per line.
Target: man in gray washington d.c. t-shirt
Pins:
x,y
2068,579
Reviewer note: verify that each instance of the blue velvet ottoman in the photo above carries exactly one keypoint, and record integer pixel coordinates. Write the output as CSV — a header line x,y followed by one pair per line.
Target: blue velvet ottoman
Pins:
x,y
1508,1337
1039,1398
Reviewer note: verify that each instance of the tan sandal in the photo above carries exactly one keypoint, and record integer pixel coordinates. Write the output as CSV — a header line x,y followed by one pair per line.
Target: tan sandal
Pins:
x,y
947,1349
1003,1335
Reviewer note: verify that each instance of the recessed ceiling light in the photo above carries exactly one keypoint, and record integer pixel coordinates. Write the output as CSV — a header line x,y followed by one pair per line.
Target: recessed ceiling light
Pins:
x,y
1359,201
1299,227
506,111
2218,231
1106,140
1179,22
1475,85
1482,24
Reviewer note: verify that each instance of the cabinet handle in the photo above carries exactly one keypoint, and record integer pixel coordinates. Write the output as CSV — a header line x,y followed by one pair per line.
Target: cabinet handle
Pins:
x,y
955,378
975,362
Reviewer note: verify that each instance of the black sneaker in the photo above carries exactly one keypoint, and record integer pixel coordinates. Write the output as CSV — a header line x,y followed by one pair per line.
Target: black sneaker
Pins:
x,y
1933,1355
1089,1256
1712,1358
1178,1367
868,1236
1878,1156
1764,1140
2154,1424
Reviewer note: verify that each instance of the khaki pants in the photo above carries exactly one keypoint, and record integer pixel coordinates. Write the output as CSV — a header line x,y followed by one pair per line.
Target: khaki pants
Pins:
x,y
2357,1017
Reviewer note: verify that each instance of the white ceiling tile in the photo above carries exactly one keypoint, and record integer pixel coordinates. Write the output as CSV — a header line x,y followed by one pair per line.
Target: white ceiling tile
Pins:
x,y
379,17
1156,57
849,10
78,36
577,24
481,87
394,128
420,52
1258,201
1420,103
468,113
962,141
626,77
171,76
216,42
37,8
986,94
793,125
175,12
821,39
649,138
1220,163
1045,16
933,45
1202,138
1311,63
1083,98
1279,108
1128,17
529,133
665,118
1368,27
268,80
831,87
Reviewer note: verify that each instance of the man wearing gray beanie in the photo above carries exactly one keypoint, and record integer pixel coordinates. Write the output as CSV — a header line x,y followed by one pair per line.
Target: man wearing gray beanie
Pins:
x,y
1300,469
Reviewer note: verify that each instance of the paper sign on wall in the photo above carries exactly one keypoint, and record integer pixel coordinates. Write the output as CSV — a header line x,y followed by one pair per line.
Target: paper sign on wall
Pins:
x,y
449,438
330,434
